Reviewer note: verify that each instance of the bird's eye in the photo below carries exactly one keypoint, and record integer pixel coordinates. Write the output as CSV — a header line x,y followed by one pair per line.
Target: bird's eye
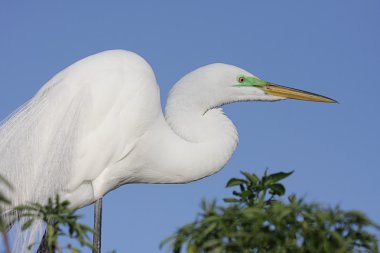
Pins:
x,y
241,79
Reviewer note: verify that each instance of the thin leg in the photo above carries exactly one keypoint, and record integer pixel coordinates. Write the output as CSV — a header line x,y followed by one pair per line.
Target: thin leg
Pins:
x,y
97,242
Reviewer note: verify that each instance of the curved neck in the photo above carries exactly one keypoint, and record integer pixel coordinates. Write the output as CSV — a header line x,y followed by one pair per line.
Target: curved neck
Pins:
x,y
190,143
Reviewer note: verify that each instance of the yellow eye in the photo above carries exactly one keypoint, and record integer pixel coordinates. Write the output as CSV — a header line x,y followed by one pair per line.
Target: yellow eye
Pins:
x,y
241,79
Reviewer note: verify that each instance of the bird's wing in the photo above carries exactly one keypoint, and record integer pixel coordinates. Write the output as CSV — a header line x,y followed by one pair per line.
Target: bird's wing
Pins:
x,y
81,121
37,143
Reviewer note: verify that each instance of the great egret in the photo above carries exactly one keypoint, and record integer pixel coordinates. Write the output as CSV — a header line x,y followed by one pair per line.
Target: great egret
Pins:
x,y
98,124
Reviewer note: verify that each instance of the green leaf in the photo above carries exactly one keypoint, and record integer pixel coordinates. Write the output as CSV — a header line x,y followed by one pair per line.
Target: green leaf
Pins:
x,y
251,177
26,208
234,181
230,200
209,229
27,224
274,178
277,189
4,199
211,243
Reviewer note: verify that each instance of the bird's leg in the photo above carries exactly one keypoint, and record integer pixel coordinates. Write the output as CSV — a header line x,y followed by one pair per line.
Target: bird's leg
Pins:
x,y
43,248
97,242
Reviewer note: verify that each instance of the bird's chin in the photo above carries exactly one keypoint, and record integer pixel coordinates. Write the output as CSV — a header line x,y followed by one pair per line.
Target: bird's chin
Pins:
x,y
267,98
273,98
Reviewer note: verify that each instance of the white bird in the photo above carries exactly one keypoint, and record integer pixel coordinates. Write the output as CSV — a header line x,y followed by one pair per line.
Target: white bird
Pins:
x,y
98,124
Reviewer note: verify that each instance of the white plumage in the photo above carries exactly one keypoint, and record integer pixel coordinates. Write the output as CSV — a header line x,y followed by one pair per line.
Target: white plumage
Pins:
x,y
98,124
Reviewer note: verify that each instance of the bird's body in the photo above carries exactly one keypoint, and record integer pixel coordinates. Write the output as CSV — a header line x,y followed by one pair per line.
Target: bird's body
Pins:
x,y
98,124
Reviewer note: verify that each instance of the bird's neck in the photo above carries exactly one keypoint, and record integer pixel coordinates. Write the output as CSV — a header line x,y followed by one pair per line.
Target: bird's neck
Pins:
x,y
193,141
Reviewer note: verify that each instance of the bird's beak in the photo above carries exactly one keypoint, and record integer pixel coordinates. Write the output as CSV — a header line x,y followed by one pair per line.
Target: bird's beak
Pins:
x,y
286,92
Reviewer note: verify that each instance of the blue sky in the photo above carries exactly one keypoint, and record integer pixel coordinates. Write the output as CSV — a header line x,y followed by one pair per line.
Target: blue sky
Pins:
x,y
327,47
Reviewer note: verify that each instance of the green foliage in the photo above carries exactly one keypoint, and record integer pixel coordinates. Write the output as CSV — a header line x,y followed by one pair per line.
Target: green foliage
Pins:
x,y
256,220
4,201
60,220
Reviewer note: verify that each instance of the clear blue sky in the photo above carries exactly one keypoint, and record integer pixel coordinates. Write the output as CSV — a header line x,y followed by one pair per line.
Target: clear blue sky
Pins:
x,y
327,47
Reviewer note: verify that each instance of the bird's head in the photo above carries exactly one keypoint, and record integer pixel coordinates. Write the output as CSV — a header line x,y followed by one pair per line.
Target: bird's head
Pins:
x,y
241,85
216,84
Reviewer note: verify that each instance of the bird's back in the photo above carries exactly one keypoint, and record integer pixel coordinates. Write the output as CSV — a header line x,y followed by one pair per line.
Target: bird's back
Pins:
x,y
79,123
